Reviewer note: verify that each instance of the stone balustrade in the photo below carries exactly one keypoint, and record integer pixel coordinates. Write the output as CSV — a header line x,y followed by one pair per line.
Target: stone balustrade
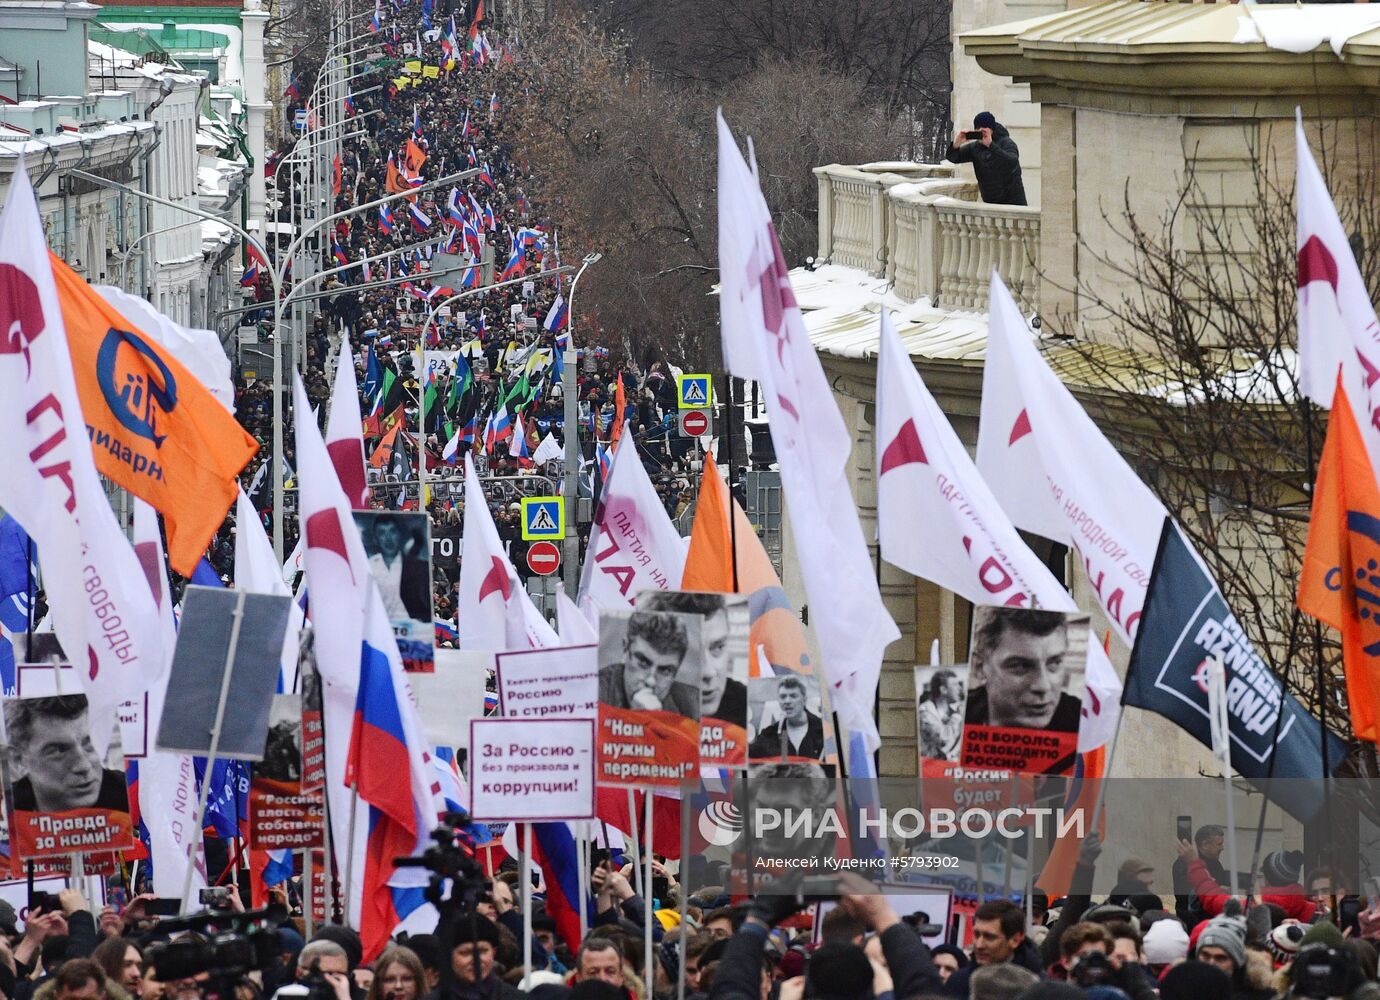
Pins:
x,y
923,227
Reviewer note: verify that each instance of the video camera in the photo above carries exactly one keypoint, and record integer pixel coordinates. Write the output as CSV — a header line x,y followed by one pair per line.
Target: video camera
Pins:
x,y
457,884
224,946
1318,972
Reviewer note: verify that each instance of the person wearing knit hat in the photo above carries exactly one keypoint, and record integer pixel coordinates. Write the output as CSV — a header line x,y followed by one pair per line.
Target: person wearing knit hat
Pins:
x,y
1222,943
838,971
1284,942
1194,981
1165,943
996,160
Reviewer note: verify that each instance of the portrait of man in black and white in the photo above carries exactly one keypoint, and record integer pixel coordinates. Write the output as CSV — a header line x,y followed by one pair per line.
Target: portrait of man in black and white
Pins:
x,y
54,766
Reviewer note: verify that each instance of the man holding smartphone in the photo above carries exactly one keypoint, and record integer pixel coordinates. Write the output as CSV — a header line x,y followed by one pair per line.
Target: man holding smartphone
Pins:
x,y
996,160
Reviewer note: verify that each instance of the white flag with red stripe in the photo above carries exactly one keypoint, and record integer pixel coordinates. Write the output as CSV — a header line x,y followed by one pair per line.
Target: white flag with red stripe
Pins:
x,y
764,338
1337,323
345,430
495,613
1056,475
937,519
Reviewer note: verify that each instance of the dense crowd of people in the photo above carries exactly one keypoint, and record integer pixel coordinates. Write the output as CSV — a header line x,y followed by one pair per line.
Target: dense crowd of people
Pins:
x,y
507,356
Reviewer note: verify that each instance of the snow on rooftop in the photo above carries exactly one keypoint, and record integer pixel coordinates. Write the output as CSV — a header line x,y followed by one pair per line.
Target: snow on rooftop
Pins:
x,y
234,72
1303,29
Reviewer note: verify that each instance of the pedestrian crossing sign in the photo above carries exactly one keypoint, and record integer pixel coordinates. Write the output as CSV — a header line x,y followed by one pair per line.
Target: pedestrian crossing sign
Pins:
x,y
543,518
694,392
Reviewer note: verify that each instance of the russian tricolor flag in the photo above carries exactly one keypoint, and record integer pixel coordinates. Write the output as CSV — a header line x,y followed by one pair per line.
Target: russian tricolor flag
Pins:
x,y
470,278
340,257
386,219
553,850
486,177
557,318
421,222
250,277
376,23
516,263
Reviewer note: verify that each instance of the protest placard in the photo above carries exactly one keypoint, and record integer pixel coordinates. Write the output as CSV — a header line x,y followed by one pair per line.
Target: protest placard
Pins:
x,y
941,692
549,683
313,729
724,622
192,721
532,770
787,719
649,697
282,814
398,546
66,800
1026,678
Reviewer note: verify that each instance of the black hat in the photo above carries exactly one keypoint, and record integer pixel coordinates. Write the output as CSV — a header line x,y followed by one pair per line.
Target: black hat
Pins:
x,y
984,119
1282,867
469,927
838,969
1194,980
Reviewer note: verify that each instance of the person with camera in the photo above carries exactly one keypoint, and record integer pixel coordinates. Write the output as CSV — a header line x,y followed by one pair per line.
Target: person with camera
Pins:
x,y
996,160
1326,966
1087,956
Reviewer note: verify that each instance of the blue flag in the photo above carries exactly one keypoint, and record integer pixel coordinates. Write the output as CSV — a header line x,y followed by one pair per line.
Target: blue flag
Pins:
x,y
1186,622
14,558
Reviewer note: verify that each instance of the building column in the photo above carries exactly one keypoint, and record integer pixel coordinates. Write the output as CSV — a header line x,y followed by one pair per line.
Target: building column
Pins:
x,y
253,19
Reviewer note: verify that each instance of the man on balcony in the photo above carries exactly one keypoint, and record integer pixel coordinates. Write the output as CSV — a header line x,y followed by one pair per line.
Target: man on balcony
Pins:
x,y
995,159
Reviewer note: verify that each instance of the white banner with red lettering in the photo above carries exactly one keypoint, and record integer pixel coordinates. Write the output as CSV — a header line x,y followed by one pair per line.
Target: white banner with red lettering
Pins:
x,y
102,610
937,519
1056,475
633,545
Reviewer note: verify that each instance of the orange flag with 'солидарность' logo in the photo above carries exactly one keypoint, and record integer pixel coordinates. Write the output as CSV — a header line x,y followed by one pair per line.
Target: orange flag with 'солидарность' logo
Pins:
x,y
1340,582
155,429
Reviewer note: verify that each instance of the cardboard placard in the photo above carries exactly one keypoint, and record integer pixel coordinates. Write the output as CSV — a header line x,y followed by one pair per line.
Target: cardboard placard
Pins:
x,y
532,770
649,698
398,547
549,683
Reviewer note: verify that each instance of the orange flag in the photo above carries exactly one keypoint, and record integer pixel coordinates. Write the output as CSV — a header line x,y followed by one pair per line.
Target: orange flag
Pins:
x,y
1340,582
415,156
155,429
381,454
775,628
395,182
620,407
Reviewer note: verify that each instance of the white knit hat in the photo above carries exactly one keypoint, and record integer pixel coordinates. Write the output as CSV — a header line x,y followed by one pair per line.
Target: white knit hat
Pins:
x,y
1166,941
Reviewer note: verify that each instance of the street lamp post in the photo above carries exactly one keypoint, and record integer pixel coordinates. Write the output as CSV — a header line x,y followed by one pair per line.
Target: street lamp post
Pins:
x,y
570,488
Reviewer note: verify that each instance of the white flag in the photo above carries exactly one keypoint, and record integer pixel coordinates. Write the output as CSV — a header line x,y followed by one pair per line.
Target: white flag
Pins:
x,y
937,519
337,614
764,338
167,781
548,451
633,544
200,351
256,569
1337,323
1055,473
103,613
574,628
495,613
345,430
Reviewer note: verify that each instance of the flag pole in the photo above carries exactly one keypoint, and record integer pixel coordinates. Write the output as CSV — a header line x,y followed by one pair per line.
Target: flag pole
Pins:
x,y
681,945
647,901
526,898
195,839
633,844
1220,720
